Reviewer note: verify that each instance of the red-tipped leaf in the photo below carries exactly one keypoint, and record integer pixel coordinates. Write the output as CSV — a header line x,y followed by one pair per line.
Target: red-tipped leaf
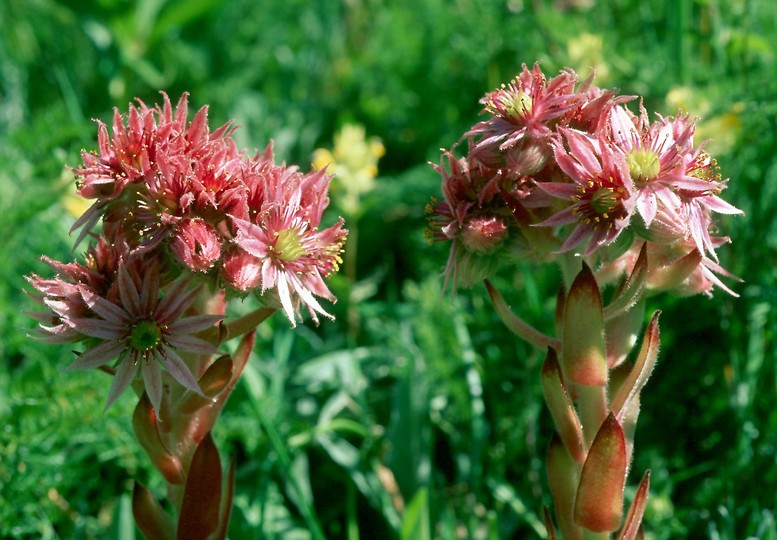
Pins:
x,y
200,514
561,408
150,517
599,500
212,382
145,424
583,357
631,528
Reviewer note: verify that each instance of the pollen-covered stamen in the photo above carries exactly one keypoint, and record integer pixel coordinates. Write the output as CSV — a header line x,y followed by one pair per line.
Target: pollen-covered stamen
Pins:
x,y
644,165
288,245
511,102
706,168
600,204
145,335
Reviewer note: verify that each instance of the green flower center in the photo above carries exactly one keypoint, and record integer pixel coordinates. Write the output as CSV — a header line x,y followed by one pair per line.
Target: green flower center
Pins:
x,y
520,105
603,200
643,164
145,335
288,245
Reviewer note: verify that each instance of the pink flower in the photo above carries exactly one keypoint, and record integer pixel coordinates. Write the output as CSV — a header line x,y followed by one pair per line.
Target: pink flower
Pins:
x,y
241,270
483,234
600,192
527,108
196,244
283,234
143,331
154,168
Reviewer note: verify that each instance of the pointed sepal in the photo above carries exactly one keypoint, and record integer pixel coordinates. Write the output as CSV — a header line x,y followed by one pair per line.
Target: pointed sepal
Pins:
x,y
150,517
561,407
583,355
599,499
632,527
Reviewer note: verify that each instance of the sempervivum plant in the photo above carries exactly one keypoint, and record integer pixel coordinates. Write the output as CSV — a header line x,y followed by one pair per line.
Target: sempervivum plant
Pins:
x,y
563,171
181,223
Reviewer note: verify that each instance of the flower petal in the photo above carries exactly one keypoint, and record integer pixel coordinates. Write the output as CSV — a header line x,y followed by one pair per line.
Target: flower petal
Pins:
x,y
191,344
105,309
125,374
152,380
176,366
191,325
130,299
97,356
99,328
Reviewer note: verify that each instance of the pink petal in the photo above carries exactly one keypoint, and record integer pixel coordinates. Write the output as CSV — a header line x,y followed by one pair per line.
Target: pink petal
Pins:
x,y
285,296
125,374
99,328
191,344
191,325
130,299
176,301
152,380
97,356
647,206
176,366
105,309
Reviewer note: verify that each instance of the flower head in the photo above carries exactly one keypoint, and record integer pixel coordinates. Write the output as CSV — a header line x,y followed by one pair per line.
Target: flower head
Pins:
x,y
526,108
599,194
283,239
137,327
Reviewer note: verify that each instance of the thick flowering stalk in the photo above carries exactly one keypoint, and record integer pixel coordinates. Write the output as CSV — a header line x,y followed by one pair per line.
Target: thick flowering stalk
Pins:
x,y
563,171
188,223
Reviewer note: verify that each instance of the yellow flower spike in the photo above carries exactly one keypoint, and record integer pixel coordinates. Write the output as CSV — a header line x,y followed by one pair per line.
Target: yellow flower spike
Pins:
x,y
354,163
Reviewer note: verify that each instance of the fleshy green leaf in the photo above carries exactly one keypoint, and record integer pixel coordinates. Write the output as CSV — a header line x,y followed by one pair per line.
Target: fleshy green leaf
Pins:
x,y
561,408
599,500
517,325
631,527
583,353
145,424
641,371
672,275
631,290
200,509
149,515
563,476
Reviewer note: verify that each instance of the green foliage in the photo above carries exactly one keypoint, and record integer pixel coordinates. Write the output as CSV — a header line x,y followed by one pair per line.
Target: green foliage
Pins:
x,y
415,414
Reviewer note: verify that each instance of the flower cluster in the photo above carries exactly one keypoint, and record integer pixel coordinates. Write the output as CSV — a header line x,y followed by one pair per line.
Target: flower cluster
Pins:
x,y
185,216
560,166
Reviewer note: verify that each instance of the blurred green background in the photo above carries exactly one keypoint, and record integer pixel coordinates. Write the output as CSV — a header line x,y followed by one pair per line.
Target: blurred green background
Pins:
x,y
410,416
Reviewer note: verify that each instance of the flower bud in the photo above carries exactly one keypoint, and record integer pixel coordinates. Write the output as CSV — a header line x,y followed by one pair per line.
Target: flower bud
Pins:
x,y
196,244
242,270
484,234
